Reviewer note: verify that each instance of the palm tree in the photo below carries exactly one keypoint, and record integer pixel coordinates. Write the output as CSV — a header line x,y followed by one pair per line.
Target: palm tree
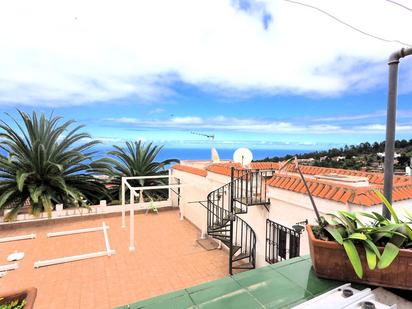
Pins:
x,y
137,159
46,163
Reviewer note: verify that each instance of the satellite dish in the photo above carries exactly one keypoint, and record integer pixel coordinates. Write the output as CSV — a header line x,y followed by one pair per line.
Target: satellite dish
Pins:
x,y
243,156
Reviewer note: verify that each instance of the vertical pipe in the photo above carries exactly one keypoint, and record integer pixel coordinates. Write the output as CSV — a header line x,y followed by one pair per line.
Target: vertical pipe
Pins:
x,y
123,203
390,134
391,124
169,193
232,170
132,205
181,210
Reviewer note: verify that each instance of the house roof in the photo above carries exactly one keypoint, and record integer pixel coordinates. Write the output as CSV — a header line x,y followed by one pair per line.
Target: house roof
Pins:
x,y
321,188
190,169
341,193
224,168
373,178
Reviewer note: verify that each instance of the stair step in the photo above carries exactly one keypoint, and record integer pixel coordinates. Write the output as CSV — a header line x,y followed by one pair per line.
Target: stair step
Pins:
x,y
235,249
222,239
251,201
218,225
244,266
214,235
240,257
222,228
226,242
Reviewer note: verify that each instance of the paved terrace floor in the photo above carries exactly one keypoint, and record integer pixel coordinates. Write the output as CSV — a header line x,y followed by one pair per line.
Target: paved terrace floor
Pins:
x,y
167,258
280,285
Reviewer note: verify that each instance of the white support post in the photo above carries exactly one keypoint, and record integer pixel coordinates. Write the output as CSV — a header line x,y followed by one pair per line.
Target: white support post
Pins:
x,y
20,237
71,258
9,267
71,232
123,203
132,202
106,239
169,197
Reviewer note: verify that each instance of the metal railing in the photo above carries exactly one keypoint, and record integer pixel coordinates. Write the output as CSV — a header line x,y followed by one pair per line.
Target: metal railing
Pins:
x,y
223,206
250,187
282,243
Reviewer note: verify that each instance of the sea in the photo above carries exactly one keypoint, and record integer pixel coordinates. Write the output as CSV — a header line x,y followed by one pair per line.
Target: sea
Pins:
x,y
203,153
224,153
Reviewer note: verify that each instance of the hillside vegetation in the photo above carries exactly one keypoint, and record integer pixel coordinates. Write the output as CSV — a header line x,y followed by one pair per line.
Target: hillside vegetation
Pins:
x,y
364,156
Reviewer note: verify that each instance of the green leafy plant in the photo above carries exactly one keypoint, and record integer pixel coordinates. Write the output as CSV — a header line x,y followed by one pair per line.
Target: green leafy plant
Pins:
x,y
14,304
363,231
368,231
47,162
137,159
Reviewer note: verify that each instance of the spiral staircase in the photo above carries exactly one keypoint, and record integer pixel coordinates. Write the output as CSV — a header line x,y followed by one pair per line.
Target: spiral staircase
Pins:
x,y
246,188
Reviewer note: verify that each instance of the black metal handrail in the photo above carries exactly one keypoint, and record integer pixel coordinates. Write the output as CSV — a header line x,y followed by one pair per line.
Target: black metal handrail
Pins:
x,y
223,206
282,243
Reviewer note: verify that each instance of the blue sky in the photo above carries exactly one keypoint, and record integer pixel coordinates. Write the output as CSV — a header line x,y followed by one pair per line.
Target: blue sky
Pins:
x,y
245,71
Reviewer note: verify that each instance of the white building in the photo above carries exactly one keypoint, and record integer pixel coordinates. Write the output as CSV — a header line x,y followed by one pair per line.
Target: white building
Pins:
x,y
288,203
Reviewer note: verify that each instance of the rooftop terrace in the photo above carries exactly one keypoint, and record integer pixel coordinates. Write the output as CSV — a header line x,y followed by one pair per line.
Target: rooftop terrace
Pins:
x,y
279,285
167,258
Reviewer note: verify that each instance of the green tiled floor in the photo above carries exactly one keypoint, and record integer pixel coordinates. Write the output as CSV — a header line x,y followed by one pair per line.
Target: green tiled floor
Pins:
x,y
280,285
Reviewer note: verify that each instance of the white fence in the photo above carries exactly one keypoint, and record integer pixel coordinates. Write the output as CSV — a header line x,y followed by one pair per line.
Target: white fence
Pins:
x,y
93,210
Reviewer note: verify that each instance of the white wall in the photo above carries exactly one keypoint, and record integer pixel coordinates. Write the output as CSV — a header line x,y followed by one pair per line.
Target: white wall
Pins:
x,y
194,188
286,208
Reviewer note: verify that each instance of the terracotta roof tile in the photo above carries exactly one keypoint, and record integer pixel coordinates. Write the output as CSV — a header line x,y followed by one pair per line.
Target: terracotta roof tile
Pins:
x,y
190,169
342,193
346,196
318,189
294,185
374,178
336,197
331,192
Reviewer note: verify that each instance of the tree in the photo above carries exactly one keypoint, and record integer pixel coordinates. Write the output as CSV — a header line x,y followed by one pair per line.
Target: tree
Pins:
x,y
45,165
137,159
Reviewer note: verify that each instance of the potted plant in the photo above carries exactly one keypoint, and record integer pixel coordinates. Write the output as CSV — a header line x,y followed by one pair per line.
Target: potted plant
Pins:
x,y
362,247
18,299
375,251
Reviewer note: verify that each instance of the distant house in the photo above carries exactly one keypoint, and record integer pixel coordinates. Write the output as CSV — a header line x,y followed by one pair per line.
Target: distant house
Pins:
x,y
338,158
307,161
382,155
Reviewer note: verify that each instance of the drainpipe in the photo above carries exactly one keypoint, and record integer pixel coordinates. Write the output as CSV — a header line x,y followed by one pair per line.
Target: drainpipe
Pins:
x,y
391,123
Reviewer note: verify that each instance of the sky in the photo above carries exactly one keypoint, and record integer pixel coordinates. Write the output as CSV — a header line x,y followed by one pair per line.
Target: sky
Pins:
x,y
261,74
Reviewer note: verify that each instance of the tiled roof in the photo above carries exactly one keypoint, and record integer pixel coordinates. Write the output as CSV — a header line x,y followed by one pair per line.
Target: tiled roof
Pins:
x,y
341,193
374,178
190,169
224,168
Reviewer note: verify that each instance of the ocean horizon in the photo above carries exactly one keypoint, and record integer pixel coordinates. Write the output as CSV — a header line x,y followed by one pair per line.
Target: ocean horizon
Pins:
x,y
204,153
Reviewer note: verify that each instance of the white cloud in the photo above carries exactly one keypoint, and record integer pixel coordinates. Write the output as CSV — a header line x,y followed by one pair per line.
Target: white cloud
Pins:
x,y
186,120
255,125
74,52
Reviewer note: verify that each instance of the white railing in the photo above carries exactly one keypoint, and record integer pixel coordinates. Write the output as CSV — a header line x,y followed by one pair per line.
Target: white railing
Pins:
x,y
91,211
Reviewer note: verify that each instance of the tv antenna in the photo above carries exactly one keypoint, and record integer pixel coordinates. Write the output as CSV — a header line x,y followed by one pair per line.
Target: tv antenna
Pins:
x,y
209,136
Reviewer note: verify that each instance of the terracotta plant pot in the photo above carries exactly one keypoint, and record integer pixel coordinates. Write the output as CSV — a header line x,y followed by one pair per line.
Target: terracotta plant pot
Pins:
x,y
28,294
330,261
